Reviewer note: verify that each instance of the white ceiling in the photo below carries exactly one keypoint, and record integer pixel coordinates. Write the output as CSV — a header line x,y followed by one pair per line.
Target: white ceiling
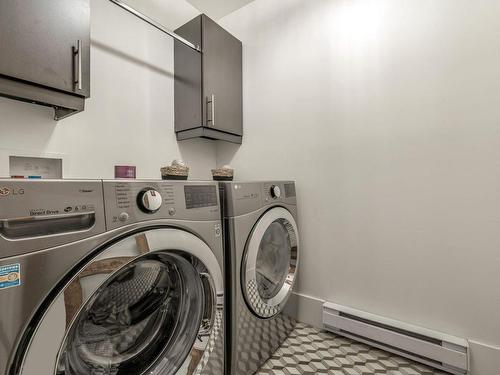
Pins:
x,y
174,13
218,8
170,13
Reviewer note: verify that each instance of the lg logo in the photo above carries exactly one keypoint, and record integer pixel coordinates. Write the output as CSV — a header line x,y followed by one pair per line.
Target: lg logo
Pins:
x,y
5,191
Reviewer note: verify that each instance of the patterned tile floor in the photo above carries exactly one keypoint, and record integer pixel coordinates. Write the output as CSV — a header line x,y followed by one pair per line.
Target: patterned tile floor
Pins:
x,y
310,351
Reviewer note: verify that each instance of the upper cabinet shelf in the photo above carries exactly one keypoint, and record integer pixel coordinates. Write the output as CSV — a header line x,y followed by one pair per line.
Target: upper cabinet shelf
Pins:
x,y
45,53
208,85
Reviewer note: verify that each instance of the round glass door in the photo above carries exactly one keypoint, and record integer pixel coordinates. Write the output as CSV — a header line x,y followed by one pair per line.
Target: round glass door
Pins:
x,y
149,308
270,263
146,304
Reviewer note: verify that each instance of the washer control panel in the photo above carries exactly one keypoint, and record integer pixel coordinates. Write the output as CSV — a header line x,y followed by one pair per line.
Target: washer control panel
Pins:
x,y
128,202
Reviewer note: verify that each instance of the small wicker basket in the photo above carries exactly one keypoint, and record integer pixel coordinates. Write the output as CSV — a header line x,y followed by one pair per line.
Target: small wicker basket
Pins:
x,y
223,174
176,171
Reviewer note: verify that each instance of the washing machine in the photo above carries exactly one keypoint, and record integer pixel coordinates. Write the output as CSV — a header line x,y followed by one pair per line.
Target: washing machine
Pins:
x,y
262,256
110,278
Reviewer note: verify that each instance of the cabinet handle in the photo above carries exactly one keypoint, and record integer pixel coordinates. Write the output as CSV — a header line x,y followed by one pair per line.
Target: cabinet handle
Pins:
x,y
78,76
211,101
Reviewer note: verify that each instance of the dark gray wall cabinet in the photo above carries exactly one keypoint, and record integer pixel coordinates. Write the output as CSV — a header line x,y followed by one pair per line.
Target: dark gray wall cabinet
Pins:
x,y
208,85
45,53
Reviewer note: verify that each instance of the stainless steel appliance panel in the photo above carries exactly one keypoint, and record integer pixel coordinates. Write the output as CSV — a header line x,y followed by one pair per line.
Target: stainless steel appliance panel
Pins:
x,y
66,259
258,326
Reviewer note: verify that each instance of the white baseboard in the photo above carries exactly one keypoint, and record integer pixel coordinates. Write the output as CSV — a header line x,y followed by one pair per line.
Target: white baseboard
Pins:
x,y
485,359
306,309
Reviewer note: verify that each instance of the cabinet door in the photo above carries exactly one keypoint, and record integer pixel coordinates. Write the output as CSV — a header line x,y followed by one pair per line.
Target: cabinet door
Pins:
x,y
222,79
188,84
39,41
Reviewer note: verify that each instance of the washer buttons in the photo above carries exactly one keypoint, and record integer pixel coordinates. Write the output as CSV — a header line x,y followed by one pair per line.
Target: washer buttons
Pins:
x,y
123,217
171,211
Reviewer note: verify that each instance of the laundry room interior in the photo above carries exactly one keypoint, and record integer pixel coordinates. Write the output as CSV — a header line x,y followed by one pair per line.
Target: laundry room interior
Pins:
x,y
238,187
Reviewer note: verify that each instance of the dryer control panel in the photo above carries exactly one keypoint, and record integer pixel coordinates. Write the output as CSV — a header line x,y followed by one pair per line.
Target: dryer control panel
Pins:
x,y
244,197
128,202
279,192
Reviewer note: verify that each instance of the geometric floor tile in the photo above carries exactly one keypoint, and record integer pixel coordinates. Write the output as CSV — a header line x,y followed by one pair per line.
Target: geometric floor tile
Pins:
x,y
311,351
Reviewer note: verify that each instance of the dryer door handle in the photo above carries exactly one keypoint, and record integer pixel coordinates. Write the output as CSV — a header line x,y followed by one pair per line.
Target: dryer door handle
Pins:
x,y
46,225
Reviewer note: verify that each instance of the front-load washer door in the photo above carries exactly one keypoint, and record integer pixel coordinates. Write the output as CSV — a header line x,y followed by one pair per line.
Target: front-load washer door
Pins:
x,y
270,263
147,304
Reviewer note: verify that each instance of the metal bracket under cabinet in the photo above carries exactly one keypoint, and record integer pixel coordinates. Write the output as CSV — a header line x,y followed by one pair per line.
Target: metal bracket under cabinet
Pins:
x,y
64,104
208,133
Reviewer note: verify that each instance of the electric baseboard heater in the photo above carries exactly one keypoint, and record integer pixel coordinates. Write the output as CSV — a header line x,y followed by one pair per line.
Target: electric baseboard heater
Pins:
x,y
431,348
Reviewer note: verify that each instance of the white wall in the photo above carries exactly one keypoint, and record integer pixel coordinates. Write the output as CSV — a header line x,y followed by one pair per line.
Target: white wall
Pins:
x,y
129,120
386,113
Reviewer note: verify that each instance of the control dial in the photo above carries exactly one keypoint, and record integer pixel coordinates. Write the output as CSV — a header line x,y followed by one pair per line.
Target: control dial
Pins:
x,y
275,191
149,200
